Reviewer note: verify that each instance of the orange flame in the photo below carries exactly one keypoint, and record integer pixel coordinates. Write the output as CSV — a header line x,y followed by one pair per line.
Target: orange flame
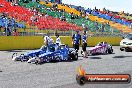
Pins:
x,y
81,71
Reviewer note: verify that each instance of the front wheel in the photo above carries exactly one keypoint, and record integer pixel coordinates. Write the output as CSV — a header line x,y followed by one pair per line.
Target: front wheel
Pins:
x,y
36,62
127,49
110,51
75,57
81,80
121,49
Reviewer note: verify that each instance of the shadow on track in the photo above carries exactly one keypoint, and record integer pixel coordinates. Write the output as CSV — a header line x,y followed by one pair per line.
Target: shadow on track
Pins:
x,y
121,56
95,57
14,51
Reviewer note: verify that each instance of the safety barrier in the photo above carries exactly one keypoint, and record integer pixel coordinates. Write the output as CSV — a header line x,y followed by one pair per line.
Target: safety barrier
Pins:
x,y
20,42
34,42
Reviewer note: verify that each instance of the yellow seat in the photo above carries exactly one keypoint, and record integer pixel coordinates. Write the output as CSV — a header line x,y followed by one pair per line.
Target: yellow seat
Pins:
x,y
42,2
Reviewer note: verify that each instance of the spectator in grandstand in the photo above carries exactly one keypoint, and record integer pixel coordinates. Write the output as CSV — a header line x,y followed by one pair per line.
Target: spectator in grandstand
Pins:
x,y
14,3
46,1
39,14
83,25
103,27
86,28
35,10
34,18
1,5
37,0
104,9
30,9
9,24
25,1
7,31
84,45
63,18
43,14
72,16
3,15
131,25
15,33
46,15
54,6
76,16
33,0
61,11
76,40
63,4
96,25
95,8
83,13
15,25
9,0
87,16
110,29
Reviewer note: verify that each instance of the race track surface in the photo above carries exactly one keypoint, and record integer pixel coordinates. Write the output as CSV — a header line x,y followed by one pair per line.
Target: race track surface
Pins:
x,y
62,74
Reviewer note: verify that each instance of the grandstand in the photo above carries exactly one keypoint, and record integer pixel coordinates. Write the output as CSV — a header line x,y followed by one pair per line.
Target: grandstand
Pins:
x,y
114,20
39,16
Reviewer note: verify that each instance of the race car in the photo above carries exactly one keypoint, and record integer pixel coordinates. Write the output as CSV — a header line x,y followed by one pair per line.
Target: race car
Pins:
x,y
61,53
100,48
47,54
126,43
28,55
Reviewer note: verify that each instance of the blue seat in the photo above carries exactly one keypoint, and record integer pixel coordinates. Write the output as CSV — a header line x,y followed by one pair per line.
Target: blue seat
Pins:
x,y
95,13
20,25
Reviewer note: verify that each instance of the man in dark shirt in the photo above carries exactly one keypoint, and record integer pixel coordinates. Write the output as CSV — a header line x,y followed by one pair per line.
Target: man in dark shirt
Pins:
x,y
84,44
76,39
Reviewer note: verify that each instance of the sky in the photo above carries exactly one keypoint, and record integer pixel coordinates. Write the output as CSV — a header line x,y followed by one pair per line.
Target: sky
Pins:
x,y
114,5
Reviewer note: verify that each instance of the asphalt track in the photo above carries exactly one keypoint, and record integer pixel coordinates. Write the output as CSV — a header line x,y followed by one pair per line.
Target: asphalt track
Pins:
x,y
62,74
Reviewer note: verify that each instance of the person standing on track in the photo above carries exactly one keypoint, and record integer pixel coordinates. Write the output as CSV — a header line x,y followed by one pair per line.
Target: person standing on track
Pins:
x,y
58,40
76,40
84,44
48,40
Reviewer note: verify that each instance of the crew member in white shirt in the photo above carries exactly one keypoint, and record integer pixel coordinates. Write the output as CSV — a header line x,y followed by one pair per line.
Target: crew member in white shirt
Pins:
x,y
48,40
58,40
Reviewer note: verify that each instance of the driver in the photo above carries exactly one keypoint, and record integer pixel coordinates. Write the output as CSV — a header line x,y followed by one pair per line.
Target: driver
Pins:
x,y
48,41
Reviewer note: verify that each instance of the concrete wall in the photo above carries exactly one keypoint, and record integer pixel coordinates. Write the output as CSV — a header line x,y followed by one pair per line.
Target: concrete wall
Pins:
x,y
34,42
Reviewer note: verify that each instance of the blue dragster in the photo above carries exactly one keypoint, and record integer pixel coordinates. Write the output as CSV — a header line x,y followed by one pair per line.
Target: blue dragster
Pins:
x,y
53,52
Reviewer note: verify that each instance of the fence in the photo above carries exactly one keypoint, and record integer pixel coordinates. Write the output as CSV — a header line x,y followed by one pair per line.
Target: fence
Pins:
x,y
34,31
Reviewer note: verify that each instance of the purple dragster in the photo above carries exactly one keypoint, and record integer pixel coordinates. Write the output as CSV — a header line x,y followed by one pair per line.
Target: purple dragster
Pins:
x,y
100,48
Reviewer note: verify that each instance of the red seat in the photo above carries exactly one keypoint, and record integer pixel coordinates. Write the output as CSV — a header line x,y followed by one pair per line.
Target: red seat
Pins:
x,y
23,14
